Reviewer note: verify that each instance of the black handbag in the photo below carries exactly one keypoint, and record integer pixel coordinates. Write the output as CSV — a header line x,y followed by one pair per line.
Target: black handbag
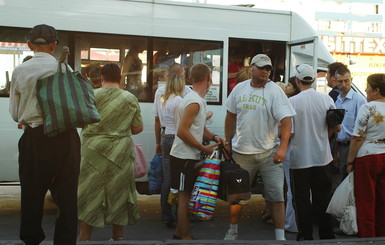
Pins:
x,y
234,181
335,117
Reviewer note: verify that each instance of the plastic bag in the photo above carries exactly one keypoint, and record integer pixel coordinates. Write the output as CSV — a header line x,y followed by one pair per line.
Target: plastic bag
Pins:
x,y
204,195
348,223
140,162
155,175
342,197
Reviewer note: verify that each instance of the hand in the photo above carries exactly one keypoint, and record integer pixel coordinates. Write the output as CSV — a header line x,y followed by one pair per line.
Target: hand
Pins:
x,y
219,140
280,155
158,149
209,149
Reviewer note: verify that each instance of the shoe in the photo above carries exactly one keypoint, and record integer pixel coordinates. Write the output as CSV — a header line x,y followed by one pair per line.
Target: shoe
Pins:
x,y
169,224
337,230
176,237
230,235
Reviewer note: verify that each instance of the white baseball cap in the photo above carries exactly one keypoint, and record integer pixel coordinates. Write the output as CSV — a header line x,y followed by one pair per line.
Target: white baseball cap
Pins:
x,y
305,73
261,60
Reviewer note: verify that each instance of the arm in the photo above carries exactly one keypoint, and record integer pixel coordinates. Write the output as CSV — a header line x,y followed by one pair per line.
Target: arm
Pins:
x,y
210,136
280,155
230,123
184,133
14,101
136,130
158,148
355,144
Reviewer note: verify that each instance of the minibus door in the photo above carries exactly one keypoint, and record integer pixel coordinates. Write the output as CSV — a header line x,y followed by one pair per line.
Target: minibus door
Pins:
x,y
301,52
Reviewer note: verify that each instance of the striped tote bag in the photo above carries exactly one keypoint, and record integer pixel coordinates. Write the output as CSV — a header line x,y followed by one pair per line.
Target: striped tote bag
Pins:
x,y
204,195
66,101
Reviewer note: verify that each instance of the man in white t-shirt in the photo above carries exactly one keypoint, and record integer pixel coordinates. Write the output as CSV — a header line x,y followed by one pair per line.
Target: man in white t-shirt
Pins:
x,y
185,151
310,156
254,109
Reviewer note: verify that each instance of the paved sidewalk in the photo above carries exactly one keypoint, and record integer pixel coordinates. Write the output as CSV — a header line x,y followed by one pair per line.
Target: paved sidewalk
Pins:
x,y
150,230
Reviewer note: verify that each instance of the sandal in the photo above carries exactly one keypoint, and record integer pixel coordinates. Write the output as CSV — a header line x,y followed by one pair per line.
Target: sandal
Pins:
x,y
266,216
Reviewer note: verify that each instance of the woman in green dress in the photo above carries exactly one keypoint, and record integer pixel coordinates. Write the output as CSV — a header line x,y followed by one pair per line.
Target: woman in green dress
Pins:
x,y
106,192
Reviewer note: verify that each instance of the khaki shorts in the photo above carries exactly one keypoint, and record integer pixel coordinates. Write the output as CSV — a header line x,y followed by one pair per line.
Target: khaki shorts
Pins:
x,y
272,173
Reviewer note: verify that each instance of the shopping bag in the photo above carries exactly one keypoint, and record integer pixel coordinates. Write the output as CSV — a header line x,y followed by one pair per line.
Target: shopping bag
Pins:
x,y
342,197
234,182
140,162
348,223
66,101
204,195
155,175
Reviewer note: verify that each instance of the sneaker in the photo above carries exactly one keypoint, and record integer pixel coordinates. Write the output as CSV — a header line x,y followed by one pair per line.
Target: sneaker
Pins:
x,y
230,235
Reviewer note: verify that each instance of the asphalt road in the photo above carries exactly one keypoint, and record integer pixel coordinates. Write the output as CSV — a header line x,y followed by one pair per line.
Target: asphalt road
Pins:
x,y
251,228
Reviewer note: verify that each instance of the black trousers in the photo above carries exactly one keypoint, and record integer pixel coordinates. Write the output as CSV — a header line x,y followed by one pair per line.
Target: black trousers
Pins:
x,y
311,189
49,163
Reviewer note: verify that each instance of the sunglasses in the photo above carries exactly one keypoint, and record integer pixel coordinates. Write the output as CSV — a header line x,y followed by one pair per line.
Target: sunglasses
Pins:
x,y
266,68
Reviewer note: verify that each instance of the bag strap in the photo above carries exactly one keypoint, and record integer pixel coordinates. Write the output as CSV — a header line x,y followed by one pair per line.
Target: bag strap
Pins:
x,y
223,150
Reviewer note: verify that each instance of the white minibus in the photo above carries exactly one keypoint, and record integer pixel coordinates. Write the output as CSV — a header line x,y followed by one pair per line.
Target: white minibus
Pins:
x,y
157,33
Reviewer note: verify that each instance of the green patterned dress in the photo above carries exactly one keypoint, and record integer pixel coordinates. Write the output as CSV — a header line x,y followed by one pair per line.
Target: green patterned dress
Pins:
x,y
106,192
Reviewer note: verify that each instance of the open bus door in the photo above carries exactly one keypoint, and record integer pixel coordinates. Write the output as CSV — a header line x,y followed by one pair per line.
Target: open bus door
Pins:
x,y
299,52
309,51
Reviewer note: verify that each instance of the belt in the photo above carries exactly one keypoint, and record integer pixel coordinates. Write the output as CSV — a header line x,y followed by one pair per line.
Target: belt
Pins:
x,y
169,136
343,142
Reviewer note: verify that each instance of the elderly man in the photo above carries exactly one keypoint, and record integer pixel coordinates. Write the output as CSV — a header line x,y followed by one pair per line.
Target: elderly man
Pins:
x,y
254,109
310,156
45,163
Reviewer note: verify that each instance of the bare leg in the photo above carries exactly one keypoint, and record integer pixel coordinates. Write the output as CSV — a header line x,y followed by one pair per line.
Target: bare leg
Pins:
x,y
85,231
278,213
117,232
235,212
183,226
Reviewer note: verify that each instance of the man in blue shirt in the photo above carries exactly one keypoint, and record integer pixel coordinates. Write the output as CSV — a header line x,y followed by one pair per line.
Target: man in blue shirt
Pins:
x,y
351,101
331,79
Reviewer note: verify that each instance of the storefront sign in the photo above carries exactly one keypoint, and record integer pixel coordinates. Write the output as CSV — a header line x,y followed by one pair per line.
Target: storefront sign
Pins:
x,y
354,45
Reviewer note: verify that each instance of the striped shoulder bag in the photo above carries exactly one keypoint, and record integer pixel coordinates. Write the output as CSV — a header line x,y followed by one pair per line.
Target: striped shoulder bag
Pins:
x,y
66,100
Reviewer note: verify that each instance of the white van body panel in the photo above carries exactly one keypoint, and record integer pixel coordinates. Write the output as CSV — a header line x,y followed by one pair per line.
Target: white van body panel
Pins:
x,y
151,19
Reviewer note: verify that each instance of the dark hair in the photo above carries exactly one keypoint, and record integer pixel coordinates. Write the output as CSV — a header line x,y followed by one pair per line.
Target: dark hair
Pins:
x,y
94,75
333,67
111,73
295,85
377,80
342,71
199,72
